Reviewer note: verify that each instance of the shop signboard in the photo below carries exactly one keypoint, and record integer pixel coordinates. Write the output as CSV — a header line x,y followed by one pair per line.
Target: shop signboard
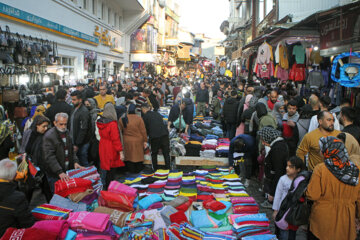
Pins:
x,y
337,31
219,51
18,15
236,54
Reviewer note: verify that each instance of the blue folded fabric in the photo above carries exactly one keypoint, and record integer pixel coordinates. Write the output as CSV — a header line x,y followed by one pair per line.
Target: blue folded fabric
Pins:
x,y
149,200
200,219
261,237
59,201
71,235
194,137
252,217
222,211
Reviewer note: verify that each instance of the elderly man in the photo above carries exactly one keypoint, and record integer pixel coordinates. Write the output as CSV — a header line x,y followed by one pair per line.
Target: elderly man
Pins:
x,y
58,151
14,209
310,142
103,98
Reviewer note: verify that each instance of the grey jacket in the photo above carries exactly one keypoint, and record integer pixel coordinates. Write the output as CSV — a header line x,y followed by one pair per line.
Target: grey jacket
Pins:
x,y
54,153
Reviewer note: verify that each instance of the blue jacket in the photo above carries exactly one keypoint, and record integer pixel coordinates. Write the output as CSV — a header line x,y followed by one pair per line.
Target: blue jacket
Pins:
x,y
249,147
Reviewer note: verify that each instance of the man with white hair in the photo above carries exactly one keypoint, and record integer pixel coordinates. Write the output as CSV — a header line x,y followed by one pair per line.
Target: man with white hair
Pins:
x,y
58,151
14,209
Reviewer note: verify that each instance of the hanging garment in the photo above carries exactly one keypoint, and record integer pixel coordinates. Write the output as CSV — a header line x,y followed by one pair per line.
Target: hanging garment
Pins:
x,y
281,56
264,54
314,80
297,72
299,52
265,71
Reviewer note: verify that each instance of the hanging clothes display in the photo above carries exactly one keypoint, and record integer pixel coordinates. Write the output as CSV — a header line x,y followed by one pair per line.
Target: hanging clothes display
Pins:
x,y
315,57
282,63
264,67
297,72
299,53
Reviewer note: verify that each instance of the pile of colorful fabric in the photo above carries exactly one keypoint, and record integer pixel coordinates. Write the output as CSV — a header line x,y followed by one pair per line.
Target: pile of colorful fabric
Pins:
x,y
222,149
89,173
208,203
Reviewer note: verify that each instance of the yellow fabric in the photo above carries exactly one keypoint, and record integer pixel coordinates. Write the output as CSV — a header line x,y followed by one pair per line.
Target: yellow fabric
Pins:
x,y
194,142
101,101
239,195
223,199
3,180
132,181
188,178
40,110
284,63
162,171
188,194
230,176
271,52
310,144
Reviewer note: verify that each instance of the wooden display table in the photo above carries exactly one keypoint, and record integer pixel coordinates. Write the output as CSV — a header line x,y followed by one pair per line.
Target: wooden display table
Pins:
x,y
191,161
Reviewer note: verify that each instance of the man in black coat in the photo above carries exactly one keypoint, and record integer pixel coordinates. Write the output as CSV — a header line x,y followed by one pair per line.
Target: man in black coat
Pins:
x,y
158,135
58,151
14,208
80,128
202,100
230,114
59,106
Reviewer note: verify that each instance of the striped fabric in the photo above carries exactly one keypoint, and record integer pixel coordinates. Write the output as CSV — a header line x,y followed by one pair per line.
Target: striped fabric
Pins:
x,y
50,212
190,233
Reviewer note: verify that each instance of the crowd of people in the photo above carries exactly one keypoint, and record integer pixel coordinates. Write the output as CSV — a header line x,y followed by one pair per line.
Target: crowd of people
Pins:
x,y
276,134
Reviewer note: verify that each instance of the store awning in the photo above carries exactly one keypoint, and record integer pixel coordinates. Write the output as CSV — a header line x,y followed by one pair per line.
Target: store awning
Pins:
x,y
143,57
257,41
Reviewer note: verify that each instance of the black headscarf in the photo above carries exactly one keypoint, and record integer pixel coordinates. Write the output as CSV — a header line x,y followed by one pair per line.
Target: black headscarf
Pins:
x,y
260,110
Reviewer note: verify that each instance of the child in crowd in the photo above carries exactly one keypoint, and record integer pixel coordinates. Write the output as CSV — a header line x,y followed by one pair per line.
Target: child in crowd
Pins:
x,y
294,166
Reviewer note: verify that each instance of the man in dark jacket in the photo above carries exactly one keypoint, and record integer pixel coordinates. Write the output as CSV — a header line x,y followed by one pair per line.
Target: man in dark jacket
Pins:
x,y
230,114
14,209
158,135
347,119
80,128
241,151
202,100
58,151
59,106
187,109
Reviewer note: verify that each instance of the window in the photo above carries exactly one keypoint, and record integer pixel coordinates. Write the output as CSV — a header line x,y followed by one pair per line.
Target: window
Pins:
x,y
261,10
115,20
85,4
269,6
109,15
94,7
103,11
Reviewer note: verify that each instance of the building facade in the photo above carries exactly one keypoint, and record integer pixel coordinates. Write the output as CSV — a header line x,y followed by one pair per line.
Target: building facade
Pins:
x,y
92,36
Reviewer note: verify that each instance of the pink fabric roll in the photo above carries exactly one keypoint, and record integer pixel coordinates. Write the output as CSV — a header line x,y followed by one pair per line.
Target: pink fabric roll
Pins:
x,y
230,232
117,187
89,220
235,200
58,227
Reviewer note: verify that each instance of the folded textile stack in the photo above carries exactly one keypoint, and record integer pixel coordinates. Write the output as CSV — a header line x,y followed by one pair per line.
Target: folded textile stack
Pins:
x,y
92,225
195,137
117,187
189,232
28,233
118,201
89,173
199,118
58,227
249,224
74,185
193,148
217,131
188,187
177,148
222,149
244,205
209,144
50,212
59,201
234,186
118,218
261,237
208,153
211,136
172,187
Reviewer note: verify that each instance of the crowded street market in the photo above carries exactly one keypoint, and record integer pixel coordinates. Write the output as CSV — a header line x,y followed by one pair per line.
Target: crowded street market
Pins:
x,y
120,119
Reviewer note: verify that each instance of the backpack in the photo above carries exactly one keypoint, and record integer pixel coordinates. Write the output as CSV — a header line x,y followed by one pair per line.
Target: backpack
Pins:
x,y
295,209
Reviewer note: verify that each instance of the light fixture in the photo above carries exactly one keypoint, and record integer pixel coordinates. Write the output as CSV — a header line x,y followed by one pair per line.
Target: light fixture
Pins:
x,y
86,73
60,72
46,79
23,79
110,79
316,48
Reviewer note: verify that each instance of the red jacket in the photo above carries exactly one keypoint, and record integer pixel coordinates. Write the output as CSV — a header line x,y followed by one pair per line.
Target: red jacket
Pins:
x,y
110,145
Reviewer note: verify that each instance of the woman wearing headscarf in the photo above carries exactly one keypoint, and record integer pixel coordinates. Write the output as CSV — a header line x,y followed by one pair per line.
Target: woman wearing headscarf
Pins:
x,y
32,146
276,157
278,113
241,128
135,140
40,110
110,147
352,147
334,188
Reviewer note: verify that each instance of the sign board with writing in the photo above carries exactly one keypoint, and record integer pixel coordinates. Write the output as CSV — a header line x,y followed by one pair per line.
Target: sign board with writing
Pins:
x,y
219,51
336,31
35,21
